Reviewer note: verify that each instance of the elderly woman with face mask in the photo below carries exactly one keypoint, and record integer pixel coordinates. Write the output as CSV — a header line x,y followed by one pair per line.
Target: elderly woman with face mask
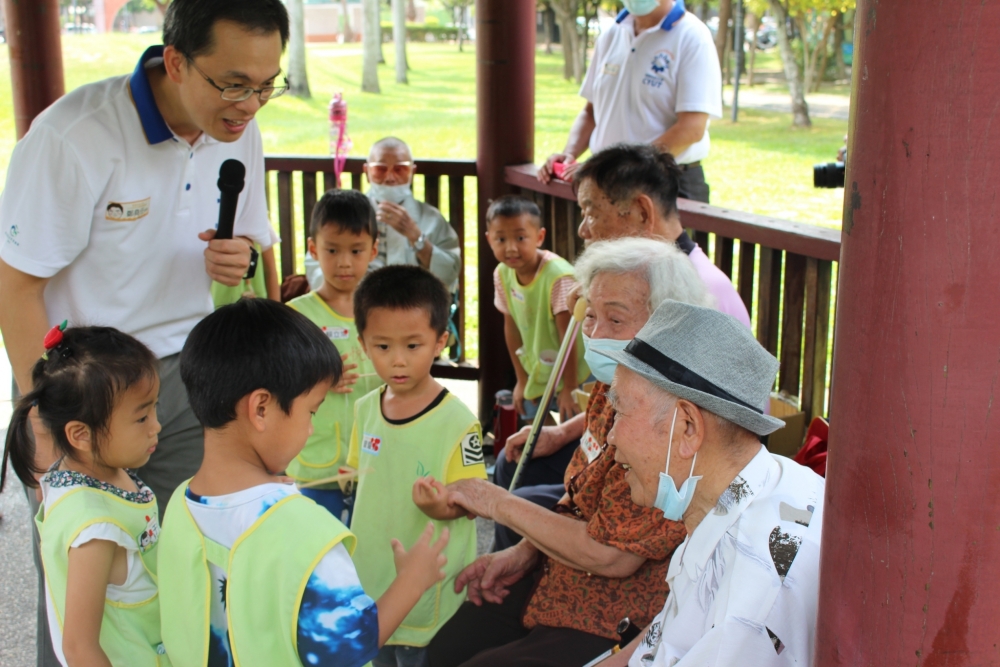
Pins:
x,y
557,597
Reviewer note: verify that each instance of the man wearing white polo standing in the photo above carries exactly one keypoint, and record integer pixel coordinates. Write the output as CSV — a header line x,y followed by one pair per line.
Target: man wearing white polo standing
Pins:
x,y
654,79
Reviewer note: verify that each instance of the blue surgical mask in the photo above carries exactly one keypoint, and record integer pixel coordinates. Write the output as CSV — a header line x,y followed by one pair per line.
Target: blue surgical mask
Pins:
x,y
396,194
640,7
602,367
672,502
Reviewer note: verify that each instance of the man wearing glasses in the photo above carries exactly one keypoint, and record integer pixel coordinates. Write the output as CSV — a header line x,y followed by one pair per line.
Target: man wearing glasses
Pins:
x,y
111,202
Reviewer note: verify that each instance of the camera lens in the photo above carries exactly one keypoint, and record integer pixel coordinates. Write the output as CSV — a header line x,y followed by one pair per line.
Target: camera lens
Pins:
x,y
828,175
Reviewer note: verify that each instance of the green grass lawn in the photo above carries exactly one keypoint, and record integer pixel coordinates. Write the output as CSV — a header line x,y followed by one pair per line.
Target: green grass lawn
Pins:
x,y
760,164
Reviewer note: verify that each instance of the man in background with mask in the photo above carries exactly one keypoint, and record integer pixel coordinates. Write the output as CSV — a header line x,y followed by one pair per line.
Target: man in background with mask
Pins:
x,y
744,585
654,79
409,231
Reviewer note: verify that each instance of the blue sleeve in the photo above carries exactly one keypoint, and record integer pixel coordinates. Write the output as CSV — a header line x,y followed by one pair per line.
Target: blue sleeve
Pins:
x,y
338,622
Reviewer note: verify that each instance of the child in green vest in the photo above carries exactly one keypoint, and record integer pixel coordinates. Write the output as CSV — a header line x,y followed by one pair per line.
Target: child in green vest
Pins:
x,y
252,572
95,392
531,289
343,238
408,435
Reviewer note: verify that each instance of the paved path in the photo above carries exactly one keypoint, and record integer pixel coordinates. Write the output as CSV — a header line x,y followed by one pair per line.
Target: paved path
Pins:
x,y
18,583
821,105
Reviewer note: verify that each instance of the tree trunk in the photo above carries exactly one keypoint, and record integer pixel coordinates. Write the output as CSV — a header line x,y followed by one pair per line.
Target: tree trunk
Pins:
x,y
372,37
298,79
461,27
793,75
566,12
838,47
399,37
824,53
703,11
549,27
411,11
348,32
722,34
754,21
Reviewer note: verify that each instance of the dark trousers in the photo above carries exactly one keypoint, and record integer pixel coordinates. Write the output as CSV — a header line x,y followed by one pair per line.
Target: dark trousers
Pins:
x,y
693,185
492,635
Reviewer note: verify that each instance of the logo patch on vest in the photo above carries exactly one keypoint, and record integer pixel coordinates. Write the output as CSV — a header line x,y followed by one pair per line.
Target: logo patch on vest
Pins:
x,y
129,211
517,295
472,449
336,333
147,538
371,444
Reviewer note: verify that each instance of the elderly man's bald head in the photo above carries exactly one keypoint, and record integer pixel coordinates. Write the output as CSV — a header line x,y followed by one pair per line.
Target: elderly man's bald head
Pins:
x,y
395,145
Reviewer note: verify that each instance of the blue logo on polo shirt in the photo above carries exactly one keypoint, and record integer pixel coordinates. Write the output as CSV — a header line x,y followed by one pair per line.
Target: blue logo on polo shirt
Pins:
x,y
657,69
661,63
12,235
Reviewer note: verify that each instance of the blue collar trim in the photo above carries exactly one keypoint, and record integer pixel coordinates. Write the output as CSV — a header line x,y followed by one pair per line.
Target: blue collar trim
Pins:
x,y
675,15
153,125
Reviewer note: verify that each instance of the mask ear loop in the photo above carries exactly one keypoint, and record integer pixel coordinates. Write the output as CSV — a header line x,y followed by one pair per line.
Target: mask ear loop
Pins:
x,y
670,441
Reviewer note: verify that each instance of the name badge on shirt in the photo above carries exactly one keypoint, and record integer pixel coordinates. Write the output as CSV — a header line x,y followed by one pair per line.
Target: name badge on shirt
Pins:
x,y
611,69
517,295
371,444
336,333
590,446
129,211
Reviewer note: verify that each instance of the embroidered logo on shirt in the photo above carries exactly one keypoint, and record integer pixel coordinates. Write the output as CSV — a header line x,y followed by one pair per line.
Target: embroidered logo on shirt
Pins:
x,y
148,537
12,235
657,69
472,449
336,333
612,69
371,444
127,211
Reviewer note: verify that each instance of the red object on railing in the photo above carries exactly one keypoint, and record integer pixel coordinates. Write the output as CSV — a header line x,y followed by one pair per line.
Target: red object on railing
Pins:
x,y
340,143
813,452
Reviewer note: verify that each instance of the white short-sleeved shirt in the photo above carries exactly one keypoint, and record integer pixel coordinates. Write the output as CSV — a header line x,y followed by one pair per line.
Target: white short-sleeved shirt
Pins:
x,y
744,586
639,83
107,202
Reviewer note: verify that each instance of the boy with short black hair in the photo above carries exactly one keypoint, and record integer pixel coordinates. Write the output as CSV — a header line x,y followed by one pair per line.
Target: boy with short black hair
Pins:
x,y
531,288
244,558
343,238
407,436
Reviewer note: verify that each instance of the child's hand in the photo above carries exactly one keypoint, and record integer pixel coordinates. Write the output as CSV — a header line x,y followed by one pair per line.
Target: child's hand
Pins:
x,y
519,397
421,565
433,499
347,379
568,407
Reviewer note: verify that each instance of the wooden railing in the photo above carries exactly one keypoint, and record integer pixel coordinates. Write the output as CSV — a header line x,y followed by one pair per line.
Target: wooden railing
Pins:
x,y
782,270
312,176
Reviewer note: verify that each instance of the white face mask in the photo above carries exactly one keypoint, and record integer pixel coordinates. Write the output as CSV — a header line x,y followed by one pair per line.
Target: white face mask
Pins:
x,y
396,194
641,7
671,501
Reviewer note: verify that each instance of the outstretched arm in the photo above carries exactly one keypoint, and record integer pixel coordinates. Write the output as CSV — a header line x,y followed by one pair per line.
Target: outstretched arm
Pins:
x,y
431,496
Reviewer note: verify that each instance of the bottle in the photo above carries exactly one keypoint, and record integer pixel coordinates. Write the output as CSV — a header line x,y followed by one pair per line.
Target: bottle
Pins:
x,y
340,142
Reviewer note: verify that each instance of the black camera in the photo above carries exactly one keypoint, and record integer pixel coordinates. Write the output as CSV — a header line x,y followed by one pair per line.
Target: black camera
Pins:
x,y
828,175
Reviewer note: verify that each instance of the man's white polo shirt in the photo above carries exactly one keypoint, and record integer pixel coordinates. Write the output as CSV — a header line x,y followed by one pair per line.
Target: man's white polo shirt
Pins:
x,y
639,83
105,200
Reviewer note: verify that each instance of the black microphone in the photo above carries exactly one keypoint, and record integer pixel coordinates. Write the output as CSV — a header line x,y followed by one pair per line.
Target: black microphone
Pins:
x,y
232,175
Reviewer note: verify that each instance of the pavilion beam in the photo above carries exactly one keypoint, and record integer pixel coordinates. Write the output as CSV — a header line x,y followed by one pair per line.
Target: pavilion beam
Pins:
x,y
911,534
505,121
36,69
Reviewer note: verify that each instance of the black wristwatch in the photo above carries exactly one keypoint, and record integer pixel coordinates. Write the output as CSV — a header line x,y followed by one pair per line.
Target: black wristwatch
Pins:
x,y
252,269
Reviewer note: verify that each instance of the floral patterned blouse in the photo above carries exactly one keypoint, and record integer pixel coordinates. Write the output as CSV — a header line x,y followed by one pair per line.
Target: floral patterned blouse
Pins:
x,y
569,598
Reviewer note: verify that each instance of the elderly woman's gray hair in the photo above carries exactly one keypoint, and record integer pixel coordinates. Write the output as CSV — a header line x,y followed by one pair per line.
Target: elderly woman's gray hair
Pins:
x,y
667,270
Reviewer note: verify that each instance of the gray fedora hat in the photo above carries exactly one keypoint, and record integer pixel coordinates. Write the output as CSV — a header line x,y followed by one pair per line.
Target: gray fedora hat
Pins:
x,y
708,358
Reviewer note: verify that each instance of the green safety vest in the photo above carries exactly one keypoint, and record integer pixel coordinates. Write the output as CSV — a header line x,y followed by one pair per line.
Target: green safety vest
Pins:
x,y
531,308
130,632
391,458
326,449
267,570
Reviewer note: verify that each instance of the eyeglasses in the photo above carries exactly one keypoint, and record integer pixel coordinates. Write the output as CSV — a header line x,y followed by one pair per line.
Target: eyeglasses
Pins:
x,y
241,93
380,170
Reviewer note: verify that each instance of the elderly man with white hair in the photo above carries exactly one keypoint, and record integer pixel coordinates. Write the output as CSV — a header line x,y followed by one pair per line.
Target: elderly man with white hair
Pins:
x,y
744,584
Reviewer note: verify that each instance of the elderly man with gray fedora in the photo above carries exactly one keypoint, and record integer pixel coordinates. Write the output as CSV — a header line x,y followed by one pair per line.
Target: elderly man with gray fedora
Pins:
x,y
744,584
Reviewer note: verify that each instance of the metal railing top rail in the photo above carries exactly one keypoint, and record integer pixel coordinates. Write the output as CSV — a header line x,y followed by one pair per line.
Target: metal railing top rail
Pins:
x,y
800,238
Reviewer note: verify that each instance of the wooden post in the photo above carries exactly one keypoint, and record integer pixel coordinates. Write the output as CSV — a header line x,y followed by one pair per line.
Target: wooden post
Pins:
x,y
911,532
36,70
505,109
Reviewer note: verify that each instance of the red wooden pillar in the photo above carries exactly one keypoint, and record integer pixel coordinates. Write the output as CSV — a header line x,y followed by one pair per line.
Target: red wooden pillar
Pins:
x,y
505,109
36,70
911,539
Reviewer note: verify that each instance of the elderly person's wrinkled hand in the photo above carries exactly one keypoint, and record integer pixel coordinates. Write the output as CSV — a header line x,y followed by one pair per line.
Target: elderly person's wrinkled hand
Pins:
x,y
490,576
396,217
547,444
476,496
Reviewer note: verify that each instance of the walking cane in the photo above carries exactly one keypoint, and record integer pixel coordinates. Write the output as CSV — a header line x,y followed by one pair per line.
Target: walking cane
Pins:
x,y
560,365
